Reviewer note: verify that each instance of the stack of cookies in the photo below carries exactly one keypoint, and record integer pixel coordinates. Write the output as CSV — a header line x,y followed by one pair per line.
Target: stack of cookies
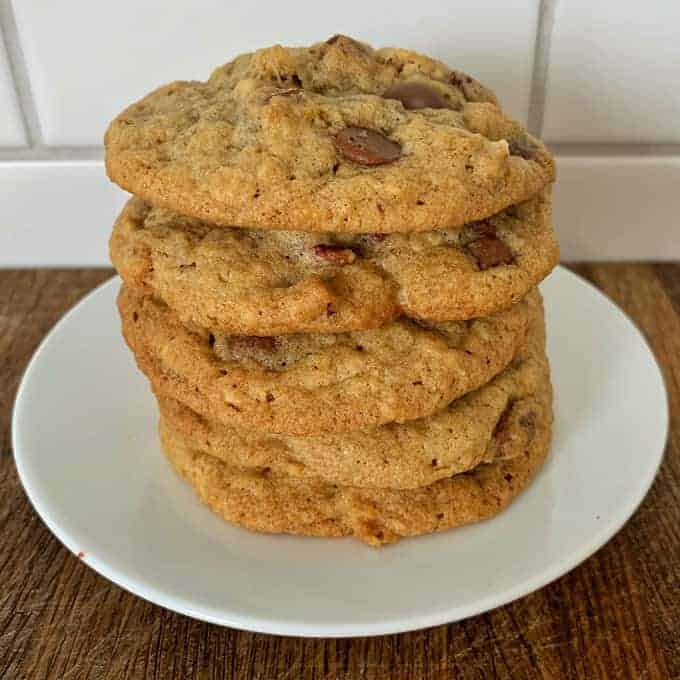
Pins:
x,y
329,274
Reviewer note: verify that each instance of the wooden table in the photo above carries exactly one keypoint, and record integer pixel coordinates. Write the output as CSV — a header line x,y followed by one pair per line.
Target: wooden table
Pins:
x,y
616,616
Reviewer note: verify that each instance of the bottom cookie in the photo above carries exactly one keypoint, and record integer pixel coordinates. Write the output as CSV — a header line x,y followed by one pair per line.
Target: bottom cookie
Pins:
x,y
263,501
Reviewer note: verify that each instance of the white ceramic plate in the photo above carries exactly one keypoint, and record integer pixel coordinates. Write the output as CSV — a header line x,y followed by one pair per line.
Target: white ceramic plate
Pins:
x,y
86,449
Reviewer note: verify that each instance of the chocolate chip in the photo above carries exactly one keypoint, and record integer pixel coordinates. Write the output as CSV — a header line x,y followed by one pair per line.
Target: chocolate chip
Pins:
x,y
335,38
417,96
366,147
334,254
522,147
490,251
483,243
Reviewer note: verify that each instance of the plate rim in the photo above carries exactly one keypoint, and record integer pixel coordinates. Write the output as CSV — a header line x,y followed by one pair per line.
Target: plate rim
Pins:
x,y
257,624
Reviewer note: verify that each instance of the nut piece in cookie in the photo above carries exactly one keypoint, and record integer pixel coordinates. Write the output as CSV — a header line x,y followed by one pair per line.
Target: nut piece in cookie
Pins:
x,y
334,254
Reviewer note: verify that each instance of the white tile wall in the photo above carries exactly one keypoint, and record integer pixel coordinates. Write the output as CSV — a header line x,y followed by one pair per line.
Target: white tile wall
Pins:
x,y
11,127
121,50
614,72
605,74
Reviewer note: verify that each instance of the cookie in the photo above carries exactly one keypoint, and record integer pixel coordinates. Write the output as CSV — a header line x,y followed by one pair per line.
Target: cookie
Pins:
x,y
333,137
494,422
304,384
257,282
268,502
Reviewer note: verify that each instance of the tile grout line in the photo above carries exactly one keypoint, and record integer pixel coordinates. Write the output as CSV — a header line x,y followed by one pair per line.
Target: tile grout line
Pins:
x,y
20,76
539,80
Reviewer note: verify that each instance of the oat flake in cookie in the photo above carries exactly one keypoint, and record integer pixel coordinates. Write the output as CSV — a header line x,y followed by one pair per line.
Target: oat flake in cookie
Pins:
x,y
333,137
258,282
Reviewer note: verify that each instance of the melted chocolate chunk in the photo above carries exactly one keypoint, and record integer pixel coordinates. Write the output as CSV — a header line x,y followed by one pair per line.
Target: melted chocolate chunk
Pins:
x,y
366,147
490,251
415,95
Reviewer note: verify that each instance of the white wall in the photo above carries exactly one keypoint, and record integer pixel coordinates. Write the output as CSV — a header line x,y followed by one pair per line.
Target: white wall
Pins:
x,y
599,80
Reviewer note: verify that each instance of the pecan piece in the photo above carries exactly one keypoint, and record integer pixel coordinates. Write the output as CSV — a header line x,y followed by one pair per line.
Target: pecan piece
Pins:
x,y
334,254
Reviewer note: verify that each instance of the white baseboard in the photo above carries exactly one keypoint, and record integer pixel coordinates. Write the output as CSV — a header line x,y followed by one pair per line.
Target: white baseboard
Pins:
x,y
60,213
619,208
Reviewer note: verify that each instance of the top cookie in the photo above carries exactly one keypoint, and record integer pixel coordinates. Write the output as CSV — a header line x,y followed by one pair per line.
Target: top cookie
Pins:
x,y
333,137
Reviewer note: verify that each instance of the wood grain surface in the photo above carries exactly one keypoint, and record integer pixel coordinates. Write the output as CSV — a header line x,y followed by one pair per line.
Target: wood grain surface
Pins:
x,y
615,616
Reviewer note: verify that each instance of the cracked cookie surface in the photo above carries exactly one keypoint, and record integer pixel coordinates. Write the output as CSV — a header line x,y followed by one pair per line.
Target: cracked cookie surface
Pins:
x,y
494,422
332,137
258,282
270,502
304,384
